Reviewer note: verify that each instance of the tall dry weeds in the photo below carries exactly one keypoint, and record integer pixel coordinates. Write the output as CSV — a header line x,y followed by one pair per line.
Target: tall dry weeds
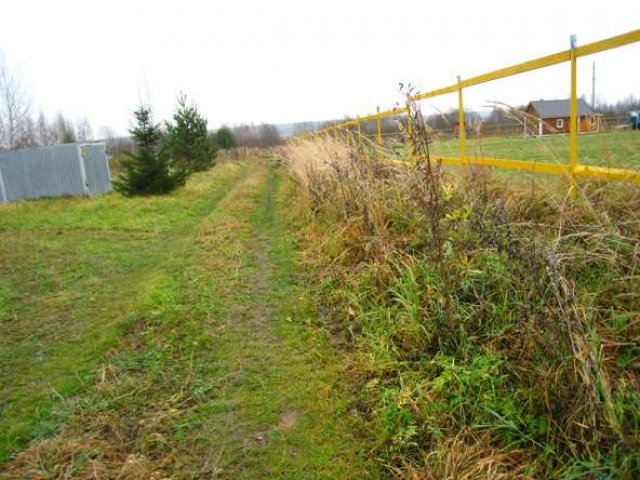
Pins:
x,y
495,324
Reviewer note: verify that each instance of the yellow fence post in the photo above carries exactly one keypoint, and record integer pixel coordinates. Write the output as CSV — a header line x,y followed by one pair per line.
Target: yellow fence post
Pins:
x,y
462,136
573,142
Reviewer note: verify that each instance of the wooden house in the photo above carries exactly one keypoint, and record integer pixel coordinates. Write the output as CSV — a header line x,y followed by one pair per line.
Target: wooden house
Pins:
x,y
544,117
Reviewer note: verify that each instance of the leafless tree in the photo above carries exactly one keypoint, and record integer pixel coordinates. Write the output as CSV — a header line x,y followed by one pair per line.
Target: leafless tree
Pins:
x,y
106,133
84,131
269,135
64,130
116,146
16,124
45,134
27,135
246,136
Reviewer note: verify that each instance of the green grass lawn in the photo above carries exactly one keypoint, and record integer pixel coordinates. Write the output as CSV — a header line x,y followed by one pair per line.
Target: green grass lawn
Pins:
x,y
613,149
72,270
166,337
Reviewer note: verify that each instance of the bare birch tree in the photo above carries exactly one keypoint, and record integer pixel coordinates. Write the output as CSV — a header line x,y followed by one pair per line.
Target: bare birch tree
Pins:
x,y
84,131
45,134
16,124
63,129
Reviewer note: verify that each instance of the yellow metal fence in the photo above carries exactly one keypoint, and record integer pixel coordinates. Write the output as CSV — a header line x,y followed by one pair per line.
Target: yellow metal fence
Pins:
x,y
571,170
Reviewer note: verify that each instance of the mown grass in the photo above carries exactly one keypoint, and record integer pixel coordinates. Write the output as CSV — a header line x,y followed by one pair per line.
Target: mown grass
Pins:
x,y
610,149
494,326
71,270
212,372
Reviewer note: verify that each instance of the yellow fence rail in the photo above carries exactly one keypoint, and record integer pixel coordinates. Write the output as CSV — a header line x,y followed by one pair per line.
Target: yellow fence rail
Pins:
x,y
571,170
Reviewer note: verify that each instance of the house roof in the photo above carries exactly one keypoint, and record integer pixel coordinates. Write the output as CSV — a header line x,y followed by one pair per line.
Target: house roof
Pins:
x,y
560,108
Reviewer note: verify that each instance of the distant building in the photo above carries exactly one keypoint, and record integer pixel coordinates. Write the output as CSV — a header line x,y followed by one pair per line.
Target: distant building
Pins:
x,y
553,116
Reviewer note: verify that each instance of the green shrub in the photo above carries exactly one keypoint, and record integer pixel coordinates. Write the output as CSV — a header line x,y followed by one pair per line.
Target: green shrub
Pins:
x,y
146,171
186,144
223,138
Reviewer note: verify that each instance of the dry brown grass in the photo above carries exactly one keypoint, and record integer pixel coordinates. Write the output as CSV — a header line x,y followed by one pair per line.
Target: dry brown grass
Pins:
x,y
396,253
308,157
74,456
465,457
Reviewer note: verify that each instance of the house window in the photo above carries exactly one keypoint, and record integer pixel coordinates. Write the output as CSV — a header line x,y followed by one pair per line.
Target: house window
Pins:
x,y
592,120
560,123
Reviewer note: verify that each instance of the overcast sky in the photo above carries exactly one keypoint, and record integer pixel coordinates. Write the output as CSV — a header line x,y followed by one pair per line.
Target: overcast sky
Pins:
x,y
281,61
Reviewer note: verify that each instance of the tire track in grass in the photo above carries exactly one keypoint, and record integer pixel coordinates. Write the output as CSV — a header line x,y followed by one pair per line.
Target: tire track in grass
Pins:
x,y
279,414
219,377
37,393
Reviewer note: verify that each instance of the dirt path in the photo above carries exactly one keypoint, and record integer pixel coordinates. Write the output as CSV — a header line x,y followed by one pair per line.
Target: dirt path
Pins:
x,y
219,376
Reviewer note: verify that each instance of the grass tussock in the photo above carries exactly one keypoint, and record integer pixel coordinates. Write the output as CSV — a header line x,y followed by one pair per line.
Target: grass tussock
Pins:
x,y
494,327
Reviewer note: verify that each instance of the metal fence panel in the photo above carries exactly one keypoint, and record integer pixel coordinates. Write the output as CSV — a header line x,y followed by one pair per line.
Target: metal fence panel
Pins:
x,y
96,167
53,171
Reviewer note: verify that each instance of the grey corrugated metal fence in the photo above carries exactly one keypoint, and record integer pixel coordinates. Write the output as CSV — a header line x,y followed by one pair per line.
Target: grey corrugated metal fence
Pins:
x,y
70,169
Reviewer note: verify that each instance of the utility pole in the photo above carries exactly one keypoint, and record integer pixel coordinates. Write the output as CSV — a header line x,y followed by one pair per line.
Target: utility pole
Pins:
x,y
593,87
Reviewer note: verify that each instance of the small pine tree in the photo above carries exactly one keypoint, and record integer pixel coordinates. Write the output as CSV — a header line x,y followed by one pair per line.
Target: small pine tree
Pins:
x,y
146,172
187,144
224,138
